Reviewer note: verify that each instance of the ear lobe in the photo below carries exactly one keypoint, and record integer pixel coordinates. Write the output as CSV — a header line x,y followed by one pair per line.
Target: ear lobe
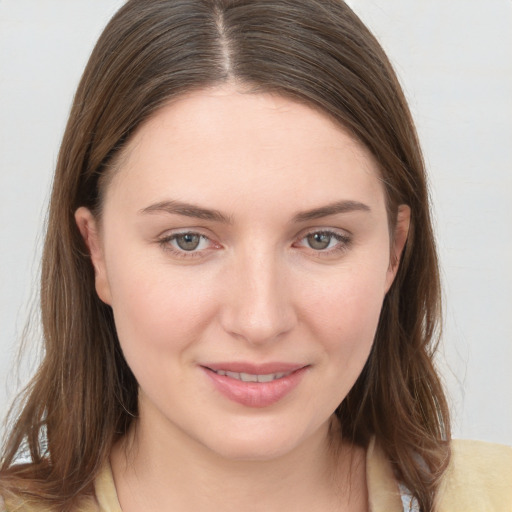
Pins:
x,y
88,227
400,234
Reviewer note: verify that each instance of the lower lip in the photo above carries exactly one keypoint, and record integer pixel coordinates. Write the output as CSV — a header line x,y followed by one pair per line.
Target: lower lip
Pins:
x,y
255,394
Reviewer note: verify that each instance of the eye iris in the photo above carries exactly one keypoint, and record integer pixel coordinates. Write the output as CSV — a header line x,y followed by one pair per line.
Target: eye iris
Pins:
x,y
188,241
319,241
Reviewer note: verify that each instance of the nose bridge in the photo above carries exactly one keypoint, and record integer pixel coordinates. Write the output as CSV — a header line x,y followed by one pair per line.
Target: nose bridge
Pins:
x,y
259,308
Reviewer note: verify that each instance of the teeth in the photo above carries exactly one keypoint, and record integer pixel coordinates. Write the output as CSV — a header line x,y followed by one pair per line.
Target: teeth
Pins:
x,y
267,378
248,377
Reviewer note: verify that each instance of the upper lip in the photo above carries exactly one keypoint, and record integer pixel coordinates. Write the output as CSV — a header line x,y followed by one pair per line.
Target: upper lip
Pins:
x,y
255,369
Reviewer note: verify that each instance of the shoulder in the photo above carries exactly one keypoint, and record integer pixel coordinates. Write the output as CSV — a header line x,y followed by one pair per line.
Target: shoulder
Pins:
x,y
16,504
102,498
479,478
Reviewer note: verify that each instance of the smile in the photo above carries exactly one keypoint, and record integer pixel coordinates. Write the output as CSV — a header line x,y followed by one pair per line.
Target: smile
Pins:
x,y
257,386
249,377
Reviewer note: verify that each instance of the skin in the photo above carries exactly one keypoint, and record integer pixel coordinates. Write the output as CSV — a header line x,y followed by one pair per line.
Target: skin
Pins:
x,y
255,289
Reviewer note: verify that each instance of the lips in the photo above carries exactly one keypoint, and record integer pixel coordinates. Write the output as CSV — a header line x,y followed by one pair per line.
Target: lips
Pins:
x,y
255,385
249,377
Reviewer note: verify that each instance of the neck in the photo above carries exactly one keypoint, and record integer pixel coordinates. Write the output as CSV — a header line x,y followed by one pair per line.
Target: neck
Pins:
x,y
175,472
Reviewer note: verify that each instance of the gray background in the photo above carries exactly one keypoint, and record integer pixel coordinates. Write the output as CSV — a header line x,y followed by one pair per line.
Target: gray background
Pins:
x,y
454,60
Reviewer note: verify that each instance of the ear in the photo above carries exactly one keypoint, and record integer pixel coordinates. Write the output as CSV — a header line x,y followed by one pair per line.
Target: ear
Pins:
x,y
399,237
89,229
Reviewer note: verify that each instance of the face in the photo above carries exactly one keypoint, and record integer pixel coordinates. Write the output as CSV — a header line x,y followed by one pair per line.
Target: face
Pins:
x,y
244,248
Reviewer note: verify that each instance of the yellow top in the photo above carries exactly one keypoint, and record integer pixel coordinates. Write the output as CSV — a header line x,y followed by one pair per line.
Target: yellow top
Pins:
x,y
479,479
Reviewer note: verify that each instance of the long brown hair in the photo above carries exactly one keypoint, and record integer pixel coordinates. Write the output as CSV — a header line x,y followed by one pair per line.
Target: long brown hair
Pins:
x,y
84,395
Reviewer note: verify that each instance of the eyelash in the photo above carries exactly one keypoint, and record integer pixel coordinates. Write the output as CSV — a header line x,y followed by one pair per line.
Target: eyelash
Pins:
x,y
344,242
165,243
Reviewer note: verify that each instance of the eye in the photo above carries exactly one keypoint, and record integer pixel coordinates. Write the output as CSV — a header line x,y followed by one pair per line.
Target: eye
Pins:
x,y
325,241
188,244
188,241
319,241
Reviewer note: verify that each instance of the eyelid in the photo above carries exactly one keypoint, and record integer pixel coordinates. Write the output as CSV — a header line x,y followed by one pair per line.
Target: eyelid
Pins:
x,y
344,241
165,238
338,232
343,236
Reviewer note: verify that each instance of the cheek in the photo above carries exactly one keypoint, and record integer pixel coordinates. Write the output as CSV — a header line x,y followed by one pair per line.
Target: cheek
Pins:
x,y
157,309
344,313
346,325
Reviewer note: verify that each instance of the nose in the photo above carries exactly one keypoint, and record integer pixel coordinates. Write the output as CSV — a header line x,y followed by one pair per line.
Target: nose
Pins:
x,y
258,306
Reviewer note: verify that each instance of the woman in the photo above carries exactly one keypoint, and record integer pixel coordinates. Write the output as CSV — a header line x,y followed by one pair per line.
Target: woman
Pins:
x,y
240,292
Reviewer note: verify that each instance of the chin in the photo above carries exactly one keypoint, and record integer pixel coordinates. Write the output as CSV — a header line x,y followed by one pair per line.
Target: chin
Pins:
x,y
259,443
253,450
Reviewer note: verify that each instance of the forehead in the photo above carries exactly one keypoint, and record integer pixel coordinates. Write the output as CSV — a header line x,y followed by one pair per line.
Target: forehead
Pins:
x,y
223,143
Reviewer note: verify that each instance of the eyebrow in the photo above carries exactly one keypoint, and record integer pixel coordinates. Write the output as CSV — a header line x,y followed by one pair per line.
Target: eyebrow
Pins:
x,y
187,210
191,210
331,209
